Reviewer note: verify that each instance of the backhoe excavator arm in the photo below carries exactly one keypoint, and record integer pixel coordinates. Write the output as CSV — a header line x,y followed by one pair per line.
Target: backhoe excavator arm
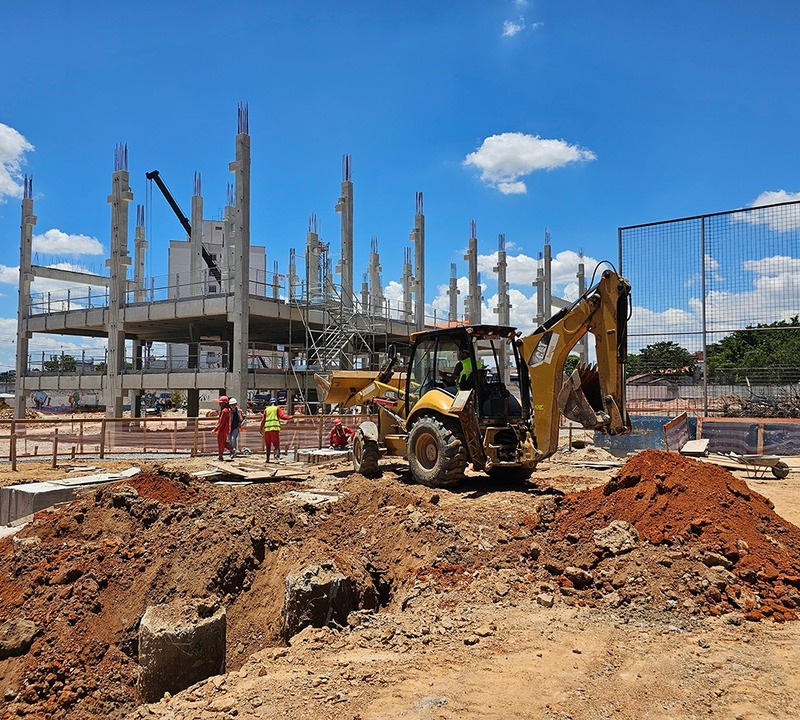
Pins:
x,y
592,396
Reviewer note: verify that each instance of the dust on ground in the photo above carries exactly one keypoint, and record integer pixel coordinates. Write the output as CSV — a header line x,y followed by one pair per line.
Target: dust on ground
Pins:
x,y
495,601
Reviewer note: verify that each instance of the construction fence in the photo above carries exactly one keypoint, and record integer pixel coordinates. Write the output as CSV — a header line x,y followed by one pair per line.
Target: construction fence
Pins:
x,y
103,437
706,291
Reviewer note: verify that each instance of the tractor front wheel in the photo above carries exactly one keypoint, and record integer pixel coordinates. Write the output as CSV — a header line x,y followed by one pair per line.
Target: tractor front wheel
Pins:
x,y
365,455
436,454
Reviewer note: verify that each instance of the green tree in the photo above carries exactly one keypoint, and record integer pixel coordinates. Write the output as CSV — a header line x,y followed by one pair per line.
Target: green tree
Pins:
x,y
570,364
61,363
660,356
773,346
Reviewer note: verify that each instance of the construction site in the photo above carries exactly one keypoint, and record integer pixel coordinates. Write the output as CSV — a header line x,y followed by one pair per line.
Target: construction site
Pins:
x,y
516,526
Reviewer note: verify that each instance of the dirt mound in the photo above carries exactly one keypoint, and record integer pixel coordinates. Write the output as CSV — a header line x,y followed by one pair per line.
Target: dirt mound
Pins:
x,y
76,581
704,510
165,487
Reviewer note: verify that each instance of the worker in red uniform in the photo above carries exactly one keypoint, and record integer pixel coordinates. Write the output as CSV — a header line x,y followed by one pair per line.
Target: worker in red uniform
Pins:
x,y
271,428
340,434
223,426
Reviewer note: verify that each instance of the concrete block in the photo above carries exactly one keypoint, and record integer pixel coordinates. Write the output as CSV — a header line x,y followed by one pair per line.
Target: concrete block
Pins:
x,y
180,644
17,501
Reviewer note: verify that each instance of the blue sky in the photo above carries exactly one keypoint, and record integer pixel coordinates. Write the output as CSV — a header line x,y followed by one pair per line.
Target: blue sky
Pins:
x,y
577,116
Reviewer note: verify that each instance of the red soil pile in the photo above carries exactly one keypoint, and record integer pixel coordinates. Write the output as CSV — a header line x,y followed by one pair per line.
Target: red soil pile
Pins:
x,y
163,488
701,508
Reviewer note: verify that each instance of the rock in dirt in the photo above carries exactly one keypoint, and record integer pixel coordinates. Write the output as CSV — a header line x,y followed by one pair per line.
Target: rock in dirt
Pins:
x,y
617,538
16,636
317,595
180,643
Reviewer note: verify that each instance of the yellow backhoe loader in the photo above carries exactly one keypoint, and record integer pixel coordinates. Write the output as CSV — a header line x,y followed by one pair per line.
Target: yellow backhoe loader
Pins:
x,y
487,396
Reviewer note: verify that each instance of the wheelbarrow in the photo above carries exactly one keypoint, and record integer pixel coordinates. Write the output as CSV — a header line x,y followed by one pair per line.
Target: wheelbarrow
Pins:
x,y
758,465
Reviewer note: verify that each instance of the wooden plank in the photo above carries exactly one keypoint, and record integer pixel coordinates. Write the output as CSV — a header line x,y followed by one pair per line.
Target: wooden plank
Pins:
x,y
263,471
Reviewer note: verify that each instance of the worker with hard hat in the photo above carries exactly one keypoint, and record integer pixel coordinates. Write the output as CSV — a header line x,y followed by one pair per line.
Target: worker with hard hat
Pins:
x,y
238,419
271,428
340,435
223,426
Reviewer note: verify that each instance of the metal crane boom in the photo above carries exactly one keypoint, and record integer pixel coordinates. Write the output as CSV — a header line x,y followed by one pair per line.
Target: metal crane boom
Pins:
x,y
212,266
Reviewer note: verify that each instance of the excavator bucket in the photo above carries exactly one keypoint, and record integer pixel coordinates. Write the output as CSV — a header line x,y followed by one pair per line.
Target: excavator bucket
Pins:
x,y
580,398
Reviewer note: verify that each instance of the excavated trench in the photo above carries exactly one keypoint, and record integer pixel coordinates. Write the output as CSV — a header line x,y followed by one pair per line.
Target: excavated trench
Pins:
x,y
76,581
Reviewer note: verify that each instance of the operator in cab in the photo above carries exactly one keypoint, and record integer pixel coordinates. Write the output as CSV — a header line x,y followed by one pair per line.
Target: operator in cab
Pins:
x,y
462,376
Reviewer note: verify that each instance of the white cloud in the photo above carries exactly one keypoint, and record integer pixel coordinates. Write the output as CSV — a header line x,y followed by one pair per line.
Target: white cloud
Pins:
x,y
521,3
511,28
13,147
779,219
503,159
9,275
521,269
56,242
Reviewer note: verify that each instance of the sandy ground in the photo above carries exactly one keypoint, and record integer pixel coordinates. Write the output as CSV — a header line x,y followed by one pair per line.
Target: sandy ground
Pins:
x,y
473,627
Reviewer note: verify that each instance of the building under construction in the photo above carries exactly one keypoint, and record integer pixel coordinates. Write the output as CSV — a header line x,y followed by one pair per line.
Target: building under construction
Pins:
x,y
222,333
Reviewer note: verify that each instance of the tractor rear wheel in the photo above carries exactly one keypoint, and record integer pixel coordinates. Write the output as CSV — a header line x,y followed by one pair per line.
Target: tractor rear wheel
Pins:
x,y
365,455
436,454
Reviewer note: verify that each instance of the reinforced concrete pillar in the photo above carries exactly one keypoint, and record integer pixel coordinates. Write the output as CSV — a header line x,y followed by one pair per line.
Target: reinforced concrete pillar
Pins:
x,y
196,280
117,264
193,402
503,308
314,293
474,296
453,292
417,237
27,222
345,208
240,316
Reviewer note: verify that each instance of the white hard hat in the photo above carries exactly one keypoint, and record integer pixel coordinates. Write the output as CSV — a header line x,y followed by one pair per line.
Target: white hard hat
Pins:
x,y
232,401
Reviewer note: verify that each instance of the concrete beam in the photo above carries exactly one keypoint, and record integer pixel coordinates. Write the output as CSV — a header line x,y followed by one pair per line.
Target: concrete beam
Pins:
x,y
75,277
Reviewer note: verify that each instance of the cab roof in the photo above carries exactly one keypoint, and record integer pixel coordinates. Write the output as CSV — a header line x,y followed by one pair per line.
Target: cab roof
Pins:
x,y
473,332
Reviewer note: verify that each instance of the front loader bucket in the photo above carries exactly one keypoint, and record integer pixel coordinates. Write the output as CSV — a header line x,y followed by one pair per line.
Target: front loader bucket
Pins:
x,y
339,387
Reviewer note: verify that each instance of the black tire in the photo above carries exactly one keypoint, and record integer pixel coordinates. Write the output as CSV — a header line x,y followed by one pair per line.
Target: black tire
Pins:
x,y
780,470
365,455
517,474
436,454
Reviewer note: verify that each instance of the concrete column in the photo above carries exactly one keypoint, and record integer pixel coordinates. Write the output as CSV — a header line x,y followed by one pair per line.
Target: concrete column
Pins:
x,y
314,291
539,285
375,289
197,268
365,294
292,279
453,292
548,280
345,208
583,345
240,316
140,248
503,308
117,264
473,309
408,286
28,220
418,238
193,402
